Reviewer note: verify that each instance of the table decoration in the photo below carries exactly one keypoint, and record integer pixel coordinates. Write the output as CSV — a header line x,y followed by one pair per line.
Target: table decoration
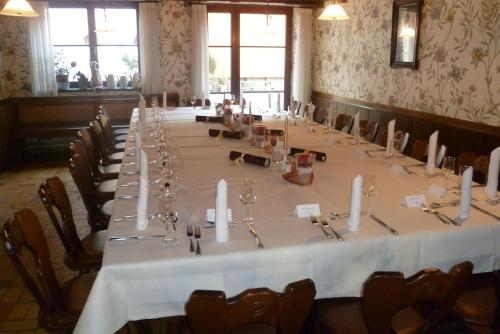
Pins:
x,y
225,134
431,155
250,158
494,166
142,202
259,135
301,169
355,212
320,156
221,218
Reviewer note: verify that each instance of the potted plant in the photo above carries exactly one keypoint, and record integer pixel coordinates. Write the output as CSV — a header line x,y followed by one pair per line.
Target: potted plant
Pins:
x,y
83,82
62,75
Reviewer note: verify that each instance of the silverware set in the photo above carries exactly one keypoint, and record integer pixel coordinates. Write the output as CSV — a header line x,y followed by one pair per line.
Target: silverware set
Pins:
x,y
196,233
324,227
255,236
436,205
384,225
441,216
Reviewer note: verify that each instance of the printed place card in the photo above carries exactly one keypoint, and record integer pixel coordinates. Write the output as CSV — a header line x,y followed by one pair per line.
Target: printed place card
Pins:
x,y
307,210
414,201
396,169
437,190
359,153
211,215
331,140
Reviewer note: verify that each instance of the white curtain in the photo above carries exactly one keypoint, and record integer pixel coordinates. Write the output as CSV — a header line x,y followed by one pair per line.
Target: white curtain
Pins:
x,y
149,47
43,74
302,56
200,85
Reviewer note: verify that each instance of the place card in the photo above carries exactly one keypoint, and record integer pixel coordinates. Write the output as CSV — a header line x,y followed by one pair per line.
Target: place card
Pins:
x,y
307,210
396,169
359,153
437,190
211,215
414,201
331,140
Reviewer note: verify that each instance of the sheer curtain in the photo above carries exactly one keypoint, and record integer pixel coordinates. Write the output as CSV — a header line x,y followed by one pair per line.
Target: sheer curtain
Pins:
x,y
149,47
302,56
43,74
200,85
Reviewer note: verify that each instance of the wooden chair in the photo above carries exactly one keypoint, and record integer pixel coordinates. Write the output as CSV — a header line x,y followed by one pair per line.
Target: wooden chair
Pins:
x,y
478,307
81,255
392,304
344,123
122,130
419,149
60,306
108,157
370,130
481,165
319,115
466,158
100,173
99,204
105,123
297,105
253,311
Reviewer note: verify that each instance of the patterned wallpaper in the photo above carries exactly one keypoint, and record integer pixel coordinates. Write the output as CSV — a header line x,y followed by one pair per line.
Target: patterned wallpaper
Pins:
x,y
459,54
14,58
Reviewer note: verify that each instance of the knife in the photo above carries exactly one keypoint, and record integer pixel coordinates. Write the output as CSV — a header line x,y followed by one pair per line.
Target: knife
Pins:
x,y
384,225
324,223
135,237
256,237
484,211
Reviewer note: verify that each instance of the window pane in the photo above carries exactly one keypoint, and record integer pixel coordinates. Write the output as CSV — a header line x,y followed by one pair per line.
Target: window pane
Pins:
x,y
69,26
123,23
118,60
262,68
262,30
219,29
65,55
220,69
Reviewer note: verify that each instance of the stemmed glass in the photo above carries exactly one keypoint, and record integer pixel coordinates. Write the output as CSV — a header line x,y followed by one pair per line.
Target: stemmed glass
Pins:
x,y
395,147
247,198
461,170
154,102
370,189
168,216
193,101
448,169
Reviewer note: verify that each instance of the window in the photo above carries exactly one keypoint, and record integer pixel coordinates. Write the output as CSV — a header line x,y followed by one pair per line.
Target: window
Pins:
x,y
83,33
249,48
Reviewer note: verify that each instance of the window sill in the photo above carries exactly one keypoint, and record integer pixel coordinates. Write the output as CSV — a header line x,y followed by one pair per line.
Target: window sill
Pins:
x,y
76,90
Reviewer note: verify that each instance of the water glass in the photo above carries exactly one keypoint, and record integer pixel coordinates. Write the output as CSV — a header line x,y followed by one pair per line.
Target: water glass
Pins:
x,y
168,216
448,168
370,189
247,198
461,170
193,100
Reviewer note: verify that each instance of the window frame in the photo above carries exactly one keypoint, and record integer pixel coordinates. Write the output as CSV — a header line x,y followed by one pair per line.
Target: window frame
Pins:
x,y
90,6
235,11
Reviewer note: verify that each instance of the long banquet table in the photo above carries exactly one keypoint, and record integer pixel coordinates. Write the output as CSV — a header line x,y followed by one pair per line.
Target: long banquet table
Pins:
x,y
140,279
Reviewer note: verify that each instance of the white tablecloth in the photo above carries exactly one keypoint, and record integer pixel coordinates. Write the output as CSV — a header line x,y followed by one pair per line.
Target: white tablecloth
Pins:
x,y
141,279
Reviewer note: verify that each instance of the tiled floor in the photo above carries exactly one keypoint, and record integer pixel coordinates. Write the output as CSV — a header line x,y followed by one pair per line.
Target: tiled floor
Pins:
x,y
18,189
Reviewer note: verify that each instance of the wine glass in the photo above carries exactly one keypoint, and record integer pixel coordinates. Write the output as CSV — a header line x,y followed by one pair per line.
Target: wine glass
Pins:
x,y
193,101
154,102
461,170
370,189
448,168
395,147
168,216
247,198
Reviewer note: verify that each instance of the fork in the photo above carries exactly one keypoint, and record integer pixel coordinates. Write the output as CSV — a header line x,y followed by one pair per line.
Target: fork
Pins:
x,y
435,205
189,232
315,222
197,236
441,216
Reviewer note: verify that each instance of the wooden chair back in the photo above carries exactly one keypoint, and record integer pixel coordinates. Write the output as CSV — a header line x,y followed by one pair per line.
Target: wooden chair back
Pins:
x,y
91,152
386,293
211,312
466,158
297,106
481,165
99,139
419,149
371,130
319,115
56,201
24,233
107,130
344,123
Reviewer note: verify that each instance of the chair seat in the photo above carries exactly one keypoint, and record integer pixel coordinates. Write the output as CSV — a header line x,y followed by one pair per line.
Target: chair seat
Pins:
x,y
108,186
120,146
477,304
122,131
116,156
121,138
344,316
110,169
94,243
107,208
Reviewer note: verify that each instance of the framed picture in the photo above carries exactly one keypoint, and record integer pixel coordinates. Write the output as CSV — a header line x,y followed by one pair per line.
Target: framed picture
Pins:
x,y
406,16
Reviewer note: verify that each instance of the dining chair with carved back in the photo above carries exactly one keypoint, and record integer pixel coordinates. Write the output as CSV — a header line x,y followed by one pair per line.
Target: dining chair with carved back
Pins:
x,y
466,158
114,144
122,130
258,310
83,254
319,115
419,149
101,173
99,203
344,123
371,131
26,245
392,304
108,156
481,165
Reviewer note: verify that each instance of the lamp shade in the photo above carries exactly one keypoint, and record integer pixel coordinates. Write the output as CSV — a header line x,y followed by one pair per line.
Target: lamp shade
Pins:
x,y
333,12
18,8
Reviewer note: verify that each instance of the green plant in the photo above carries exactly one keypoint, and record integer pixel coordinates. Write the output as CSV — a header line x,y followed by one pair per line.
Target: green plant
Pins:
x,y
212,64
60,63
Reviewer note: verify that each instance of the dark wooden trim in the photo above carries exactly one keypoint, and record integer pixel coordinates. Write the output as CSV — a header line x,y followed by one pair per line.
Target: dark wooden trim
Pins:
x,y
288,58
272,3
420,115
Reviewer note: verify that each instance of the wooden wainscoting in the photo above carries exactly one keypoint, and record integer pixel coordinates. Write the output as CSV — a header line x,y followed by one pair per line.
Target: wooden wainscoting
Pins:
x,y
458,135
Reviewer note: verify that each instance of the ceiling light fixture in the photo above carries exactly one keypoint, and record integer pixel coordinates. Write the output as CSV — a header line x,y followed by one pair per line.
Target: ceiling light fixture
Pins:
x,y
18,8
333,11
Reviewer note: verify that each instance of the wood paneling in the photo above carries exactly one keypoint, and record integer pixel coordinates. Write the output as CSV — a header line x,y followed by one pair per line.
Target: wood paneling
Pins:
x,y
7,121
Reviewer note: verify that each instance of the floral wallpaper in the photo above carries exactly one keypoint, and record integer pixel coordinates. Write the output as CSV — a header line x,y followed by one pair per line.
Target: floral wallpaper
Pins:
x,y
14,58
459,54
175,49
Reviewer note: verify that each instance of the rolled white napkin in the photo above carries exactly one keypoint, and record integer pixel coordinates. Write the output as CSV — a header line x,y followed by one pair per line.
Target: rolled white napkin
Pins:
x,y
164,100
142,202
355,212
440,155
355,124
465,196
138,148
492,185
221,221
390,137
203,99
250,107
404,142
269,100
431,154
278,103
